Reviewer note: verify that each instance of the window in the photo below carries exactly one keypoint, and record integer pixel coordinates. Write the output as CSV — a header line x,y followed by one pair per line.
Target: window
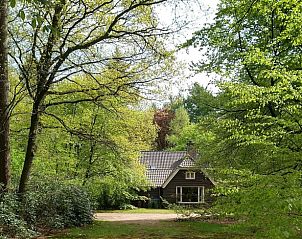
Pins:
x,y
186,194
190,175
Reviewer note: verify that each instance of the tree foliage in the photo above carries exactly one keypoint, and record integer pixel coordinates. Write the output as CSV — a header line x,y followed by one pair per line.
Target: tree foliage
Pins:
x,y
178,125
255,47
114,45
88,144
200,102
78,72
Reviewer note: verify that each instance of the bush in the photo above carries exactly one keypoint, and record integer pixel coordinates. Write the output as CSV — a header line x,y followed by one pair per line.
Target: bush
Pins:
x,y
127,207
50,205
110,194
154,203
11,224
55,205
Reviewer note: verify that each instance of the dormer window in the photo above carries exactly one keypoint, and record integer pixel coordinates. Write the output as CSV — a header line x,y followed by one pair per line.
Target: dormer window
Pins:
x,y
190,175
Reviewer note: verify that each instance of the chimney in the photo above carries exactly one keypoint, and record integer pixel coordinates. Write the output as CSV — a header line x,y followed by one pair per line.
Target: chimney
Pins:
x,y
191,150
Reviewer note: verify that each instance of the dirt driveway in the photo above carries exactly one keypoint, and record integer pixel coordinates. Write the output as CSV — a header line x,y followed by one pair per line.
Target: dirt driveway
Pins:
x,y
135,217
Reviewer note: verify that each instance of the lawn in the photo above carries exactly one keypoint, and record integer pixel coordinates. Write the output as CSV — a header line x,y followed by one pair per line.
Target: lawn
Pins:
x,y
156,230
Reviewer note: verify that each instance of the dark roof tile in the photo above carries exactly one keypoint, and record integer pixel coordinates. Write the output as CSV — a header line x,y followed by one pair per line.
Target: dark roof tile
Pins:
x,y
160,164
157,176
162,159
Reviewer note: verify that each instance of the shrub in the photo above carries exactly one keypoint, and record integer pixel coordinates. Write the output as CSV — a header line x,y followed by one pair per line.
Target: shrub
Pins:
x,y
127,207
46,205
11,224
55,205
110,194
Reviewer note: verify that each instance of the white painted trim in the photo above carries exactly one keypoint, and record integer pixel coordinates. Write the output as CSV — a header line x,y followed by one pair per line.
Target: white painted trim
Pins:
x,y
188,175
199,188
210,178
171,176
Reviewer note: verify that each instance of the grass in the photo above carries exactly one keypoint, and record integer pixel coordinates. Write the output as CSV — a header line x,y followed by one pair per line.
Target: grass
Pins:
x,y
163,229
141,210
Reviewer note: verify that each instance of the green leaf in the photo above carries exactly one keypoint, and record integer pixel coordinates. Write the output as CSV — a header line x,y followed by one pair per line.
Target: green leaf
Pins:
x,y
40,20
34,23
45,28
22,15
13,3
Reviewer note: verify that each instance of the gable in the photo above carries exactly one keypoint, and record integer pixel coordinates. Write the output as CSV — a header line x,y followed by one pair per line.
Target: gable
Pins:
x,y
161,164
187,163
183,180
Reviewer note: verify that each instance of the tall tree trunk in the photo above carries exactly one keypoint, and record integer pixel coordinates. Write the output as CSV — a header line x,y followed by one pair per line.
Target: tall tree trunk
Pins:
x,y
41,91
31,147
4,101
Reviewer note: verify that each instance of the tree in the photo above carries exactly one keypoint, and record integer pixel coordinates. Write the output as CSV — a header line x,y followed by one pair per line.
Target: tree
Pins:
x,y
99,148
88,145
200,102
256,46
178,124
69,38
5,105
4,101
163,118
263,93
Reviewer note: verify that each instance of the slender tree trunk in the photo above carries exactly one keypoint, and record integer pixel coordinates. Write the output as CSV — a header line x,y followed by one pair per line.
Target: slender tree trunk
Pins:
x,y
91,152
90,162
31,147
4,101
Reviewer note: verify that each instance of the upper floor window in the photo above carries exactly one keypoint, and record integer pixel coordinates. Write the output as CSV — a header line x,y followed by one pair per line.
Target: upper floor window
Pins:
x,y
190,175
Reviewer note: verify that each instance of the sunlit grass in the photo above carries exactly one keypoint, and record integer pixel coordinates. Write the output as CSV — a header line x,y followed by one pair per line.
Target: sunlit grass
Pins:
x,y
163,229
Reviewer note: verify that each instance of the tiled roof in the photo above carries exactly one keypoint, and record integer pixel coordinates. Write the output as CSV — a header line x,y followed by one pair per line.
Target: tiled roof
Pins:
x,y
162,159
160,164
157,176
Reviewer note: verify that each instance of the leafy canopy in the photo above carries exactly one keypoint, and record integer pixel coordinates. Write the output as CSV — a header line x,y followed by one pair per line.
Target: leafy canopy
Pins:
x,y
255,48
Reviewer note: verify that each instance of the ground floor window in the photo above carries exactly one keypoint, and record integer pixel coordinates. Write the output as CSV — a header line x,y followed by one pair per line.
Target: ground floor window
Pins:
x,y
186,194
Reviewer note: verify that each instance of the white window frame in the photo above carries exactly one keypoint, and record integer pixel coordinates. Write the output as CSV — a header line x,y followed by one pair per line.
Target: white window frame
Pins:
x,y
200,194
190,175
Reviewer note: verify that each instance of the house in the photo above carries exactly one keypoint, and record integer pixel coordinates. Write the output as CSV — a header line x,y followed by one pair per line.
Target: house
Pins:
x,y
174,177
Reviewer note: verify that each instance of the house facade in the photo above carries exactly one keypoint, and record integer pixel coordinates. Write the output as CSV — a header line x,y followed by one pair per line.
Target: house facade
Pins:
x,y
174,177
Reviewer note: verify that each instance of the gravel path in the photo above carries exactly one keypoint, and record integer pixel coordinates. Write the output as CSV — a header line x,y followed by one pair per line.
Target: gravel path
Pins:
x,y
135,217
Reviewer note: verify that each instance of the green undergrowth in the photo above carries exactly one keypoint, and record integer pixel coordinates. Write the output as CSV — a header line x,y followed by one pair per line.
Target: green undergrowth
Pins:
x,y
156,230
